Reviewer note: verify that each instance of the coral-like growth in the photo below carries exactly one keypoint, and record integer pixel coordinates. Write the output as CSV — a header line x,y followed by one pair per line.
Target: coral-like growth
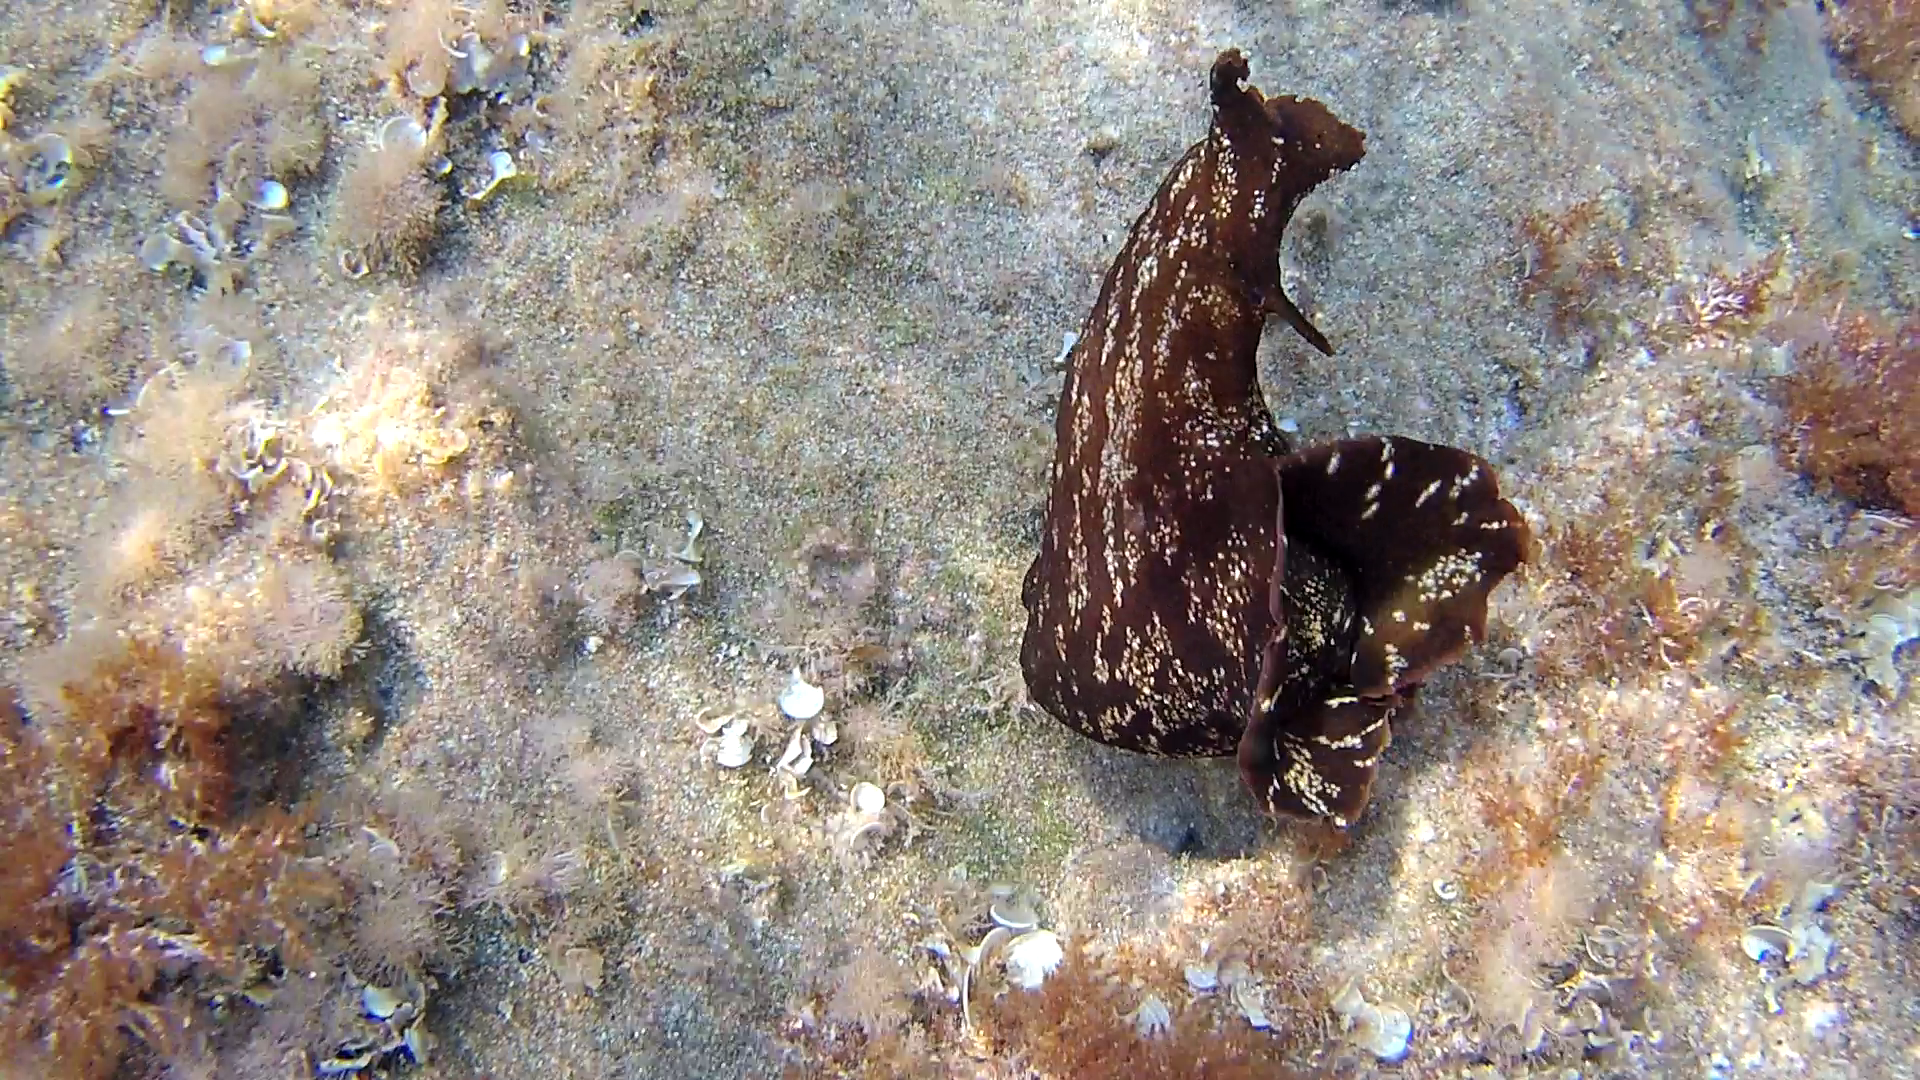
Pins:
x,y
70,359
386,207
244,123
1880,40
131,887
1854,411
1570,255
870,992
1081,1024
386,428
315,621
1722,307
125,711
31,928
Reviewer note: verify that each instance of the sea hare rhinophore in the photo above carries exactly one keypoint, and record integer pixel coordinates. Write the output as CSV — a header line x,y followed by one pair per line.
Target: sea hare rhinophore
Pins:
x,y
1202,588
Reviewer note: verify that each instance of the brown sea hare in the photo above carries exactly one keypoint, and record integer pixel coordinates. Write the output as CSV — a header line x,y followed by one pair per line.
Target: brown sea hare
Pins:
x,y
1201,588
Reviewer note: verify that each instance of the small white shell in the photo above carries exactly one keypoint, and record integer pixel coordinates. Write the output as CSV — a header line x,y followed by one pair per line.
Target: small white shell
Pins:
x,y
381,1002
1067,341
1812,952
734,747
695,526
1032,957
1250,999
826,730
379,844
672,579
269,195
424,83
868,798
49,170
1760,942
1447,891
500,163
220,56
1348,1003
1386,1033
160,251
417,1042
1152,1018
1013,914
402,132
1203,977
260,29
1383,1031
733,753
802,700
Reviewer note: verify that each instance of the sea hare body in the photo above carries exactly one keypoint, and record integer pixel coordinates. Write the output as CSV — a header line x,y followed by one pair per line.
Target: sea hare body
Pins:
x,y
1201,589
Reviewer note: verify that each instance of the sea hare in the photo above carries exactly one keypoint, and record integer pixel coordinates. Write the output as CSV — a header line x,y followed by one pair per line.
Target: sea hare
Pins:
x,y
1203,588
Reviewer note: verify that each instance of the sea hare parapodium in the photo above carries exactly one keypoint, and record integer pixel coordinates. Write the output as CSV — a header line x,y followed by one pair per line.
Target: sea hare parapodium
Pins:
x,y
1203,588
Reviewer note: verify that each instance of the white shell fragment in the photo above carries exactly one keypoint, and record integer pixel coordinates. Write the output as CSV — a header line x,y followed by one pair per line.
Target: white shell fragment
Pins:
x,y
417,1043
1251,1000
710,722
695,526
1032,957
867,798
1152,1018
1811,954
1067,342
501,167
1203,977
224,56
1761,942
733,747
1892,621
1014,914
479,66
160,251
826,730
671,579
49,168
971,958
1384,1032
802,700
798,756
381,1002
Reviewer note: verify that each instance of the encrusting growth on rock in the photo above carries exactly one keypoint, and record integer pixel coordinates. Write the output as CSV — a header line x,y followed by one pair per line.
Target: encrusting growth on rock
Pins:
x,y
1200,587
